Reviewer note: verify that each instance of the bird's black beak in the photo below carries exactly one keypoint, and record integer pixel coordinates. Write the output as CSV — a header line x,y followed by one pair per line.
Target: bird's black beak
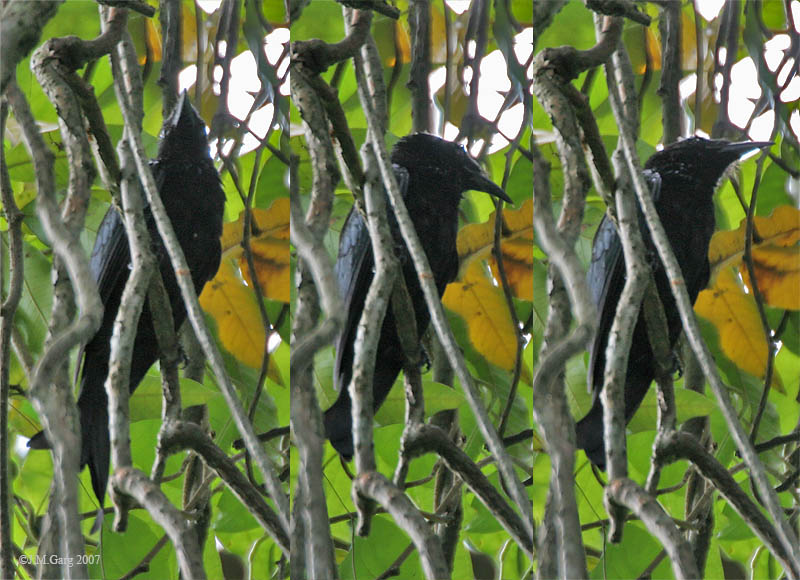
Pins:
x,y
742,148
182,109
479,181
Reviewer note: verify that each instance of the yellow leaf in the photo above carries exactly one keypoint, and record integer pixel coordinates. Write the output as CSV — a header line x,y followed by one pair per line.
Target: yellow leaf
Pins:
x,y
735,316
516,246
153,38
777,270
459,102
483,306
269,244
775,255
403,43
782,228
233,306
188,34
688,42
438,35
653,48
271,261
517,252
709,110
643,49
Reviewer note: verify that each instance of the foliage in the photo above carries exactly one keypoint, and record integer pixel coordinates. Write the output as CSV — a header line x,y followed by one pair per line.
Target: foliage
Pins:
x,y
231,304
478,309
741,322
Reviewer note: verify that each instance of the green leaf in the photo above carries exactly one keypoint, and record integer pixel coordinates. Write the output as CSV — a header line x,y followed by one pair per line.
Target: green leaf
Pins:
x,y
123,552
688,404
231,516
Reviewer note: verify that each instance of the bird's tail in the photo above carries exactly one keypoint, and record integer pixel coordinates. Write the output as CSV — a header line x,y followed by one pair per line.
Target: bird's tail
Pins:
x,y
95,440
339,418
39,441
590,435
339,426
590,429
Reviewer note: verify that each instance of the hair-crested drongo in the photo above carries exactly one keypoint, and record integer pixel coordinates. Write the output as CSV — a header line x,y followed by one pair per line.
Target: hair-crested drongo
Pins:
x,y
432,174
190,189
683,178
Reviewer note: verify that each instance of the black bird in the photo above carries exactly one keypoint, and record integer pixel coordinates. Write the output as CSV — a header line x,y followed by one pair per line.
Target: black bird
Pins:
x,y
432,174
190,189
683,178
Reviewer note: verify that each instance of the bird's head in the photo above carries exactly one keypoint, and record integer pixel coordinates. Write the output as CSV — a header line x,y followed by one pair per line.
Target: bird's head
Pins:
x,y
184,132
703,160
444,164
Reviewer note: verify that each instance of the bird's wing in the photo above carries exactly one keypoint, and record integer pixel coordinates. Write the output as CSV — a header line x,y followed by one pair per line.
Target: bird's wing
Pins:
x,y
110,259
110,255
110,262
606,279
354,270
355,267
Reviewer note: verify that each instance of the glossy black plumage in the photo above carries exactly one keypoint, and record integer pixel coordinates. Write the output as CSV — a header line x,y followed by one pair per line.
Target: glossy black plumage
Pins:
x,y
432,175
190,189
683,178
